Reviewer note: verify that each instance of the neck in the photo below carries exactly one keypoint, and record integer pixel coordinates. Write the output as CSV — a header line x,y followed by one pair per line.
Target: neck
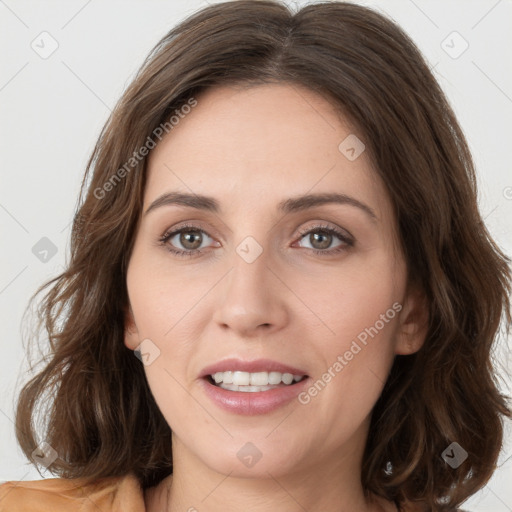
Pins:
x,y
171,501
331,484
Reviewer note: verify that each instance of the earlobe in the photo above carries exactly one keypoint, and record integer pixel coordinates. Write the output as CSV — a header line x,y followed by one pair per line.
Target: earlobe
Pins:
x,y
131,333
413,324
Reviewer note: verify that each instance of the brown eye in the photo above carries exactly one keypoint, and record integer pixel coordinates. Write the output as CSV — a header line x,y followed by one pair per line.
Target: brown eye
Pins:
x,y
190,239
186,241
320,239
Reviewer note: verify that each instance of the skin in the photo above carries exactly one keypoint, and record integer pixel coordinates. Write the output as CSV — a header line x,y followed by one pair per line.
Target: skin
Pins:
x,y
250,148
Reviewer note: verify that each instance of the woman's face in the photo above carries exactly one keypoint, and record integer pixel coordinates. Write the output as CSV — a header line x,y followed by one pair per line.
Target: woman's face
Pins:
x,y
270,281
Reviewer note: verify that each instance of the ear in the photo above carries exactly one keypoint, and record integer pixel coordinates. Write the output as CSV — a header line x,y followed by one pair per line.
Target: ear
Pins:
x,y
413,322
131,333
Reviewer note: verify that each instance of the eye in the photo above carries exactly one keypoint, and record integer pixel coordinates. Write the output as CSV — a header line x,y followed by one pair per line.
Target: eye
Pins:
x,y
321,238
190,238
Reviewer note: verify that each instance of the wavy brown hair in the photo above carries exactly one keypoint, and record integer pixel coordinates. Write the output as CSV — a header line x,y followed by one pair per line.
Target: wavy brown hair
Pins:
x,y
101,416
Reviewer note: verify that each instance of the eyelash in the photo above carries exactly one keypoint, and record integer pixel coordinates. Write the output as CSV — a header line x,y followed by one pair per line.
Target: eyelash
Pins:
x,y
347,242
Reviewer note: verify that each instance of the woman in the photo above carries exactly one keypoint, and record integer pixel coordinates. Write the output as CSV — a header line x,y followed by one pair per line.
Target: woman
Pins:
x,y
281,223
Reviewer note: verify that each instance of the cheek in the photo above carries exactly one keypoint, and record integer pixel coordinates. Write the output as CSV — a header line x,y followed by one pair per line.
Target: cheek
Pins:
x,y
169,380
356,366
350,297
160,293
358,308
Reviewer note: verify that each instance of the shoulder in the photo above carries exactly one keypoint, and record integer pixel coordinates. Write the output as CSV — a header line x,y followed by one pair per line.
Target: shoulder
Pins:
x,y
113,494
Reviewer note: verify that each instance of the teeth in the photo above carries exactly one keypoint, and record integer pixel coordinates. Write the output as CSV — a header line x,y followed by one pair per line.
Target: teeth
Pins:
x,y
261,379
249,389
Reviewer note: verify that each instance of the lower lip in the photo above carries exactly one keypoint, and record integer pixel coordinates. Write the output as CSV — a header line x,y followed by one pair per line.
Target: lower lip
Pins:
x,y
252,403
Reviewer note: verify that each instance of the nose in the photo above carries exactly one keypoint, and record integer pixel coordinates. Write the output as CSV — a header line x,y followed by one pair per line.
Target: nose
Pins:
x,y
252,298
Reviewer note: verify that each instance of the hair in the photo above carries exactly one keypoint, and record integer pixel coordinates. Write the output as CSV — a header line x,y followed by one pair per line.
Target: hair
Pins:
x,y
102,418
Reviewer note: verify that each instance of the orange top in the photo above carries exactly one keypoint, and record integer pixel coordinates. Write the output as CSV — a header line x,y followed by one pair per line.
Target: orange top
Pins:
x,y
114,494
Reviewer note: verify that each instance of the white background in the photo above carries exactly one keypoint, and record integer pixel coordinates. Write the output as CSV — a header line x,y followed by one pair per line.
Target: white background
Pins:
x,y
52,111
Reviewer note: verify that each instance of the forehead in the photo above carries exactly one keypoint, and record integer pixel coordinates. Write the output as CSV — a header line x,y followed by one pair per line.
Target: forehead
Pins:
x,y
264,142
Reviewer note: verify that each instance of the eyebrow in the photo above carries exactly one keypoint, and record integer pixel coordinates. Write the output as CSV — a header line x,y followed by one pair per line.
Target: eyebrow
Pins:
x,y
293,204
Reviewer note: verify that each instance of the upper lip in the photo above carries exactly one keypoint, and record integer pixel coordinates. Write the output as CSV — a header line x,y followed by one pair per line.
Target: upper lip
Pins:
x,y
257,365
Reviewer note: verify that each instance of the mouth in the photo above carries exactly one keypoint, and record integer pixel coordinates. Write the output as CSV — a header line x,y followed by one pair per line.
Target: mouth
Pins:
x,y
253,382
258,392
